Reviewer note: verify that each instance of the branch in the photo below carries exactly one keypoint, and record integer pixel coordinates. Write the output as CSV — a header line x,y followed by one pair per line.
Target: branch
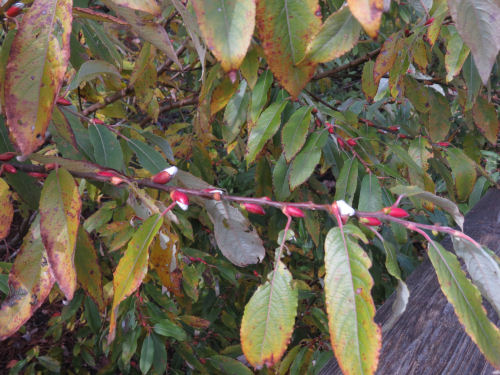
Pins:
x,y
360,60
178,104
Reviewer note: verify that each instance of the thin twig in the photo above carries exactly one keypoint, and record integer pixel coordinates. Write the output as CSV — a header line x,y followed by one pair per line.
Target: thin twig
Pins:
x,y
333,72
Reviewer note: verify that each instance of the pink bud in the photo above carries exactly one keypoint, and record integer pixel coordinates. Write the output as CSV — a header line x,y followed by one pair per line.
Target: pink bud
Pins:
x,y
372,221
165,175
395,212
181,199
254,208
293,211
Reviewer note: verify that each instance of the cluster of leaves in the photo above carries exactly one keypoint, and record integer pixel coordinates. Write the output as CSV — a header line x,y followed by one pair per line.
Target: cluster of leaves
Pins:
x,y
288,100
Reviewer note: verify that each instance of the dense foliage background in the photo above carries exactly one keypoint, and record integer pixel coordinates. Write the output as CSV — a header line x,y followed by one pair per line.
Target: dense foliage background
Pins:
x,y
279,116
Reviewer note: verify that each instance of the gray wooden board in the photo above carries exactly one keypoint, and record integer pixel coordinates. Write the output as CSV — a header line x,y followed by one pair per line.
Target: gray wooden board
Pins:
x,y
428,338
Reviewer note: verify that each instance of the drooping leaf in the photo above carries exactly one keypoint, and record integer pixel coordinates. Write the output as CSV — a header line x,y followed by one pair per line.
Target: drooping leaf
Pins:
x,y
30,282
107,149
293,135
35,72
456,54
60,206
285,28
267,125
478,25
370,196
466,301
141,16
237,239
260,95
439,12
93,69
87,268
482,267
337,36
7,211
486,119
445,204
63,127
236,113
367,85
307,159
250,67
227,27
368,13
269,317
149,158
355,337
347,181
386,57
133,266
163,258
147,354
99,43
464,172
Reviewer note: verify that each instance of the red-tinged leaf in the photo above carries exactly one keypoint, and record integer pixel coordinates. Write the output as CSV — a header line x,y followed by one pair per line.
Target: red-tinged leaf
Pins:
x,y
141,16
486,119
30,281
386,57
337,36
98,16
355,337
466,300
60,206
227,28
63,127
367,85
268,319
6,211
478,23
368,13
285,28
37,62
132,267
439,11
87,268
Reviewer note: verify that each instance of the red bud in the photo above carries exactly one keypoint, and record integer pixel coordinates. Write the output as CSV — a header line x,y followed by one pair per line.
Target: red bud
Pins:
x,y
314,111
106,173
63,101
50,166
443,144
38,175
381,131
254,208
255,273
395,212
14,10
352,142
161,178
9,168
293,211
181,199
393,128
404,136
372,221
318,122
429,21
97,121
115,180
6,156
341,143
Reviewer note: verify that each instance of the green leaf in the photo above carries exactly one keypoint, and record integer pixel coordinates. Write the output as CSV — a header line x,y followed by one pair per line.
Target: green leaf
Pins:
x,y
169,329
368,13
445,204
486,119
367,85
293,135
235,114
370,196
60,207
281,176
482,267
147,354
133,266
250,67
229,366
438,118
337,36
107,149
267,125
93,69
260,94
149,158
141,16
479,29
347,181
418,94
35,72
305,162
160,356
30,282
466,300
227,27
285,28
269,318
456,54
160,142
464,172
99,43
355,337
